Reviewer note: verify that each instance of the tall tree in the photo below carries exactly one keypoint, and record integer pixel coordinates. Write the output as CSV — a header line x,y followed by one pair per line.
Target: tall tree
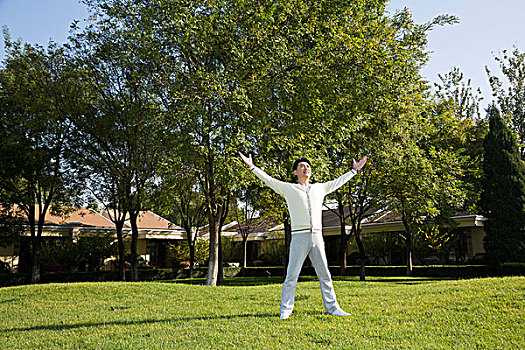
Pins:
x,y
503,193
247,217
120,140
425,175
459,93
457,97
38,97
180,199
381,89
510,96
205,59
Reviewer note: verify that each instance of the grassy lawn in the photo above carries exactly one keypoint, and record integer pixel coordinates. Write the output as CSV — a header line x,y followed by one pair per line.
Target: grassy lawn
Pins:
x,y
386,314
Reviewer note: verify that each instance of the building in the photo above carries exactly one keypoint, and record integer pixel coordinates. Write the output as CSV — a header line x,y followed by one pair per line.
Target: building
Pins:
x,y
265,243
155,235
467,247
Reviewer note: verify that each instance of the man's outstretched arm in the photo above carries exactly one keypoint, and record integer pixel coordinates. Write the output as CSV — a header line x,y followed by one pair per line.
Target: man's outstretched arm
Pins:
x,y
360,164
333,185
247,160
274,184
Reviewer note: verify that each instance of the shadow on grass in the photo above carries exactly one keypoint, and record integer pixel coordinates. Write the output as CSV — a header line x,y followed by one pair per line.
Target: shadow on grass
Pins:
x,y
398,280
62,327
262,281
234,281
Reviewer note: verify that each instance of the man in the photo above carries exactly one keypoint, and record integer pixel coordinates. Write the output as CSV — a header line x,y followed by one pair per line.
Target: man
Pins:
x,y
305,205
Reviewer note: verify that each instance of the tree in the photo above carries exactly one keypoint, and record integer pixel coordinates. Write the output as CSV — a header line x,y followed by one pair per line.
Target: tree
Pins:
x,y
120,140
455,91
205,58
247,217
458,97
503,193
425,180
39,95
510,101
381,90
180,199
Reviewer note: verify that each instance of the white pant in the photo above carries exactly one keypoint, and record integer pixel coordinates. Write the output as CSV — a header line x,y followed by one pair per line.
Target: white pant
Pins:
x,y
310,244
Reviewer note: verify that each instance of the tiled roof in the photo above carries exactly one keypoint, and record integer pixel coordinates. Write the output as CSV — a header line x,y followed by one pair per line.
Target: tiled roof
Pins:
x,y
149,220
72,216
331,217
79,216
88,217
256,225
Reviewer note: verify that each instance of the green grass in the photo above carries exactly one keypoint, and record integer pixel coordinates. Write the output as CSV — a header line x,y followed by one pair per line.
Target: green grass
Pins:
x,y
392,313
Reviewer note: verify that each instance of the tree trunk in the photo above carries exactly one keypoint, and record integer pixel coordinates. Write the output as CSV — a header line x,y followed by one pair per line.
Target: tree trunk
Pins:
x,y
220,273
213,266
121,251
35,247
37,237
343,251
409,255
408,237
287,241
134,241
244,253
192,256
362,272
36,261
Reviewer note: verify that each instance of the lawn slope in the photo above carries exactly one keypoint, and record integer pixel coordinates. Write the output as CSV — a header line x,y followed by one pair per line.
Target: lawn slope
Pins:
x,y
386,314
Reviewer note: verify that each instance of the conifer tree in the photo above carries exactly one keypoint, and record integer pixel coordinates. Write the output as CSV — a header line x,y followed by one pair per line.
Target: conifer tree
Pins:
x,y
503,193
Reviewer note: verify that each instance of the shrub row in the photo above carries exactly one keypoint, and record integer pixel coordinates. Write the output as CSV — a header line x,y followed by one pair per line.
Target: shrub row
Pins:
x,y
12,279
449,271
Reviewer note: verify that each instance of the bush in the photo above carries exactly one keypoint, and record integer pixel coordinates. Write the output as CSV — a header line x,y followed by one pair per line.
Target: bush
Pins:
x,y
274,253
513,269
439,271
180,252
88,253
4,267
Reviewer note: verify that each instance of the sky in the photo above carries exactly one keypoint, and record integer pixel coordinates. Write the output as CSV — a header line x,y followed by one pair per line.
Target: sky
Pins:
x,y
486,28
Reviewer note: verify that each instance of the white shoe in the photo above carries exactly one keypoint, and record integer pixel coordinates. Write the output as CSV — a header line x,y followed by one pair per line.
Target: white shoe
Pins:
x,y
285,315
340,312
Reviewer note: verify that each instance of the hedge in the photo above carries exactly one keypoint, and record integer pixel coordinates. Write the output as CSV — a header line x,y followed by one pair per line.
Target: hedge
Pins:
x,y
447,271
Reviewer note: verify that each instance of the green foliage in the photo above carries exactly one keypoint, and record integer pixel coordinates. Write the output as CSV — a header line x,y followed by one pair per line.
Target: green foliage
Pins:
x,y
510,93
162,94
11,225
181,252
503,193
381,246
88,253
39,93
274,252
457,92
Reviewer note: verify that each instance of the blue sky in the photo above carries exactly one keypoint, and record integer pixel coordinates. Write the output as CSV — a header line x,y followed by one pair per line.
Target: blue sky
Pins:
x,y
486,27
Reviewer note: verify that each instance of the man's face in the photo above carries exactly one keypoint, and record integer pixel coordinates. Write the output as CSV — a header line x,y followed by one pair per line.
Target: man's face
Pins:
x,y
303,170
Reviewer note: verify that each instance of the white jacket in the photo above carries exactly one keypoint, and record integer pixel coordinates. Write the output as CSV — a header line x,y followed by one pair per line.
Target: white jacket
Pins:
x,y
305,204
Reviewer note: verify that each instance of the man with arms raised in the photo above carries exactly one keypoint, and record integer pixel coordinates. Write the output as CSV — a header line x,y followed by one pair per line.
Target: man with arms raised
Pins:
x,y
305,205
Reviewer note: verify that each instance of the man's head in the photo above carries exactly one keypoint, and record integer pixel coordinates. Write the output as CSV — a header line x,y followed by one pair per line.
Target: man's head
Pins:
x,y
301,160
302,168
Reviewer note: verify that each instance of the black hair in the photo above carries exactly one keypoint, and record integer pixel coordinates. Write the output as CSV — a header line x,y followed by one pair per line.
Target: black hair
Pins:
x,y
300,160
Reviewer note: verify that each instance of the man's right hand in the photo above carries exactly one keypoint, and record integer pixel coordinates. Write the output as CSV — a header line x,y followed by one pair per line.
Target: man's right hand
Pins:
x,y
247,160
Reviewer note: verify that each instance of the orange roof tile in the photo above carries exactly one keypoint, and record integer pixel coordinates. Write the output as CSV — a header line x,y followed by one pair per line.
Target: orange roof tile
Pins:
x,y
81,216
149,220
